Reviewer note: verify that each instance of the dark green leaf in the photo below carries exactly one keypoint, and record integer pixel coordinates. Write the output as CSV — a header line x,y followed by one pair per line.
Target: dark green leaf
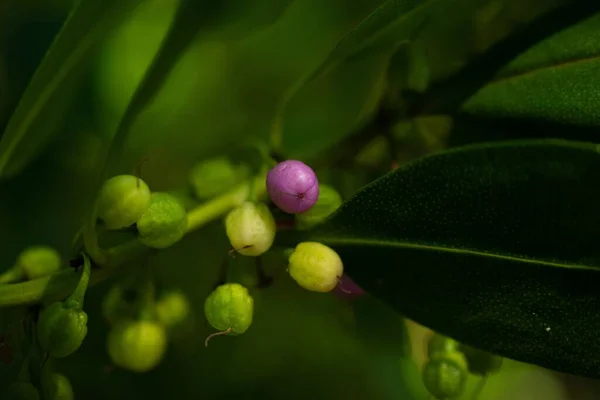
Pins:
x,y
53,84
555,80
495,245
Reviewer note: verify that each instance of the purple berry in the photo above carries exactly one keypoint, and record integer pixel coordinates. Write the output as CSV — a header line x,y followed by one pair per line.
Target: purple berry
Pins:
x,y
293,186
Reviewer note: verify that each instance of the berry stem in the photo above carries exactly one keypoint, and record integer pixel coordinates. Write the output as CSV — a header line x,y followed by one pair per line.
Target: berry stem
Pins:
x,y
12,275
90,239
79,294
225,332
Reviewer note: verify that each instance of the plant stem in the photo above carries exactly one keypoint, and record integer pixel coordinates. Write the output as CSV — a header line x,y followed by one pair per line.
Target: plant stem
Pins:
x,y
61,283
79,294
90,239
12,275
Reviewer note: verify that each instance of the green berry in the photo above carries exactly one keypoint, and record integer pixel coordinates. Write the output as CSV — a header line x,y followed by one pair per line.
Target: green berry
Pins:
x,y
445,376
440,344
137,346
164,223
39,261
57,387
250,228
481,362
215,176
21,391
229,309
329,200
172,308
116,306
122,201
315,267
61,328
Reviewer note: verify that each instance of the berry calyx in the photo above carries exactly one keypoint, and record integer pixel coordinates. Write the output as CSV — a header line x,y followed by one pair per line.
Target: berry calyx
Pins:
x,y
293,186
164,223
250,228
137,346
122,200
328,201
229,309
315,267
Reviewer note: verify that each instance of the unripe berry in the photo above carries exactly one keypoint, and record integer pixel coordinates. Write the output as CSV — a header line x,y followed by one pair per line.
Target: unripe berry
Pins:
x,y
61,328
57,387
215,176
440,344
137,346
481,362
172,308
39,261
315,267
116,306
122,201
229,309
329,200
164,223
293,186
21,391
251,228
445,377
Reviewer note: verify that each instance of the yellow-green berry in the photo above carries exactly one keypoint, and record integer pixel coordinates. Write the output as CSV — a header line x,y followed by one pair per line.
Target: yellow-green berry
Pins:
x,y
172,308
329,200
229,309
57,387
445,376
116,306
164,223
315,267
215,176
39,261
251,228
122,201
137,346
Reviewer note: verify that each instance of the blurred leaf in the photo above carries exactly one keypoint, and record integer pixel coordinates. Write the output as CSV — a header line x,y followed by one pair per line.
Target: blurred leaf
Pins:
x,y
494,245
52,86
555,80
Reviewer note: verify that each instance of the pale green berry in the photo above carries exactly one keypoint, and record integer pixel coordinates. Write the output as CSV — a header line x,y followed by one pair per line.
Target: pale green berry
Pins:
x,y
164,223
57,387
440,344
215,176
229,309
445,375
172,308
39,261
329,200
137,346
315,267
115,305
250,228
122,201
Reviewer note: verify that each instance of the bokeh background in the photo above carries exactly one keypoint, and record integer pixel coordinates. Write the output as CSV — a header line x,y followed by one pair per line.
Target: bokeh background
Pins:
x,y
223,92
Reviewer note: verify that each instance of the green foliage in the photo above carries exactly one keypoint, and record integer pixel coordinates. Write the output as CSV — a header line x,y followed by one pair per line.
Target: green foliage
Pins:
x,y
477,243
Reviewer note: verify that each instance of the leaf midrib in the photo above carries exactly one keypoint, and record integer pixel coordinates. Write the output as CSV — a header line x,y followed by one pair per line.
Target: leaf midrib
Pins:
x,y
330,241
562,64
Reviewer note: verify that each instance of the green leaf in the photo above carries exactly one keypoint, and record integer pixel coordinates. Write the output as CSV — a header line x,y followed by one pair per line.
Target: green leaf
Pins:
x,y
495,245
55,80
555,80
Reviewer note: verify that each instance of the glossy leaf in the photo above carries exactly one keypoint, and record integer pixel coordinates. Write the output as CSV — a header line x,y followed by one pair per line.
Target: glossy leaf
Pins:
x,y
495,245
52,85
555,80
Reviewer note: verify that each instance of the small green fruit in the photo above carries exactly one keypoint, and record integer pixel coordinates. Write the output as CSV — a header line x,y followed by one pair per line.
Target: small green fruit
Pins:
x,y
39,261
122,201
329,200
315,267
164,223
481,362
21,391
116,306
251,228
137,346
229,309
57,387
61,328
172,308
215,176
445,377
440,344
